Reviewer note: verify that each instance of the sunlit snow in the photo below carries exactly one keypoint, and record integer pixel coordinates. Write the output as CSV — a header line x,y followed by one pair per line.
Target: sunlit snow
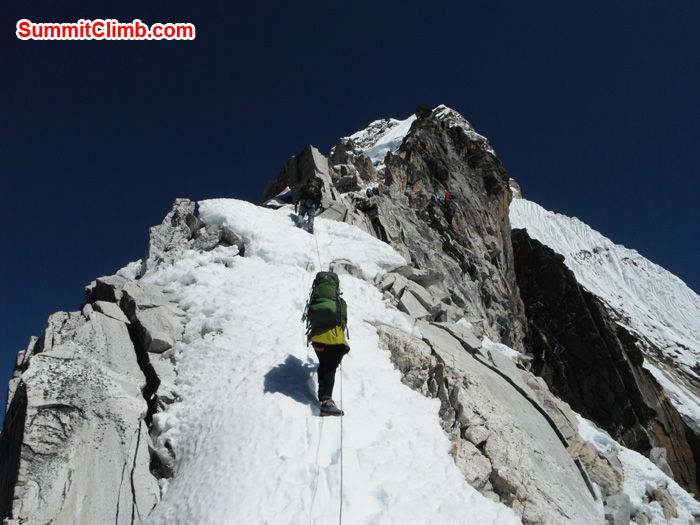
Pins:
x,y
249,444
382,137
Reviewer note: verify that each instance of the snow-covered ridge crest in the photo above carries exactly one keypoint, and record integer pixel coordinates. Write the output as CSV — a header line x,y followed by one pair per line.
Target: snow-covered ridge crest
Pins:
x,y
249,446
386,135
455,119
650,301
294,246
382,137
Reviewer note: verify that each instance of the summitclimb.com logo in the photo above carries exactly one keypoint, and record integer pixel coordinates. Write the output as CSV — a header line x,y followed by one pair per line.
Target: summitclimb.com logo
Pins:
x,y
103,30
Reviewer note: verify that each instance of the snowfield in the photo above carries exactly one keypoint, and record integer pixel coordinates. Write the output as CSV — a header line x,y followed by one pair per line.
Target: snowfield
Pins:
x,y
248,441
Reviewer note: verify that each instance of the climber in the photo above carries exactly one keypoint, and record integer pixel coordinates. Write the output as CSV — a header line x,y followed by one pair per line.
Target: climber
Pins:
x,y
308,202
326,320
371,192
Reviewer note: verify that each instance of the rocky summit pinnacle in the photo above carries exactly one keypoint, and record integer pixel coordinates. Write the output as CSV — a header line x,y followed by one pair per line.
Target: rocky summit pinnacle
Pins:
x,y
540,388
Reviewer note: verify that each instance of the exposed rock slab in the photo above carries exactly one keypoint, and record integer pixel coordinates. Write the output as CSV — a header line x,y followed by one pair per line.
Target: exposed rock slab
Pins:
x,y
84,446
81,400
502,443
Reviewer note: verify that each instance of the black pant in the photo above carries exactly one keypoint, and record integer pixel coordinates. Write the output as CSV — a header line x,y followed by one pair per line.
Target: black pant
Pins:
x,y
328,360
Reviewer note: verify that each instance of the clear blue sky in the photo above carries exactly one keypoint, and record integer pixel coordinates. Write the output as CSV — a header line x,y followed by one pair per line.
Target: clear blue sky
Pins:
x,y
592,107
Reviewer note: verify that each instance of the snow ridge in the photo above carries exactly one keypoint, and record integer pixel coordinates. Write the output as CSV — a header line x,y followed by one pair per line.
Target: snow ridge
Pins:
x,y
382,137
249,445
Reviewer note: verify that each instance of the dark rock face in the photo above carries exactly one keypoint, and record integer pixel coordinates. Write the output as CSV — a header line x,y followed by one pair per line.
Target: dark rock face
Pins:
x,y
471,228
594,364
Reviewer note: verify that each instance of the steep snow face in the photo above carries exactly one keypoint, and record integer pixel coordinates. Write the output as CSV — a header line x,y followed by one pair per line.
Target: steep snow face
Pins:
x,y
651,302
249,446
382,137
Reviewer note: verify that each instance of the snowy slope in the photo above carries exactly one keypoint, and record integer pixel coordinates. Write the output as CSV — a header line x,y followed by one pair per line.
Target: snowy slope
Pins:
x,y
249,445
382,137
651,302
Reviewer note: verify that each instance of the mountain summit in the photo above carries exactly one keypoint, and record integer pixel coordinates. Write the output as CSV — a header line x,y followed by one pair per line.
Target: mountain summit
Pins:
x,y
507,365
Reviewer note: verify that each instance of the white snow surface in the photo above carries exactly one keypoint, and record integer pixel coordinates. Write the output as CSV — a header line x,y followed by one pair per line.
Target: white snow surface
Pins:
x,y
382,137
652,302
250,446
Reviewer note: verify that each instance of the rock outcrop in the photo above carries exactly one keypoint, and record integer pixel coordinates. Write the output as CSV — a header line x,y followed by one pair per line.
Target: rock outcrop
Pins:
x,y
465,239
76,433
78,416
514,441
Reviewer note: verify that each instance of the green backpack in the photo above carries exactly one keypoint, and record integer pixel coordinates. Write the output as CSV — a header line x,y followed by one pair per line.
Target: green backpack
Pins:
x,y
325,307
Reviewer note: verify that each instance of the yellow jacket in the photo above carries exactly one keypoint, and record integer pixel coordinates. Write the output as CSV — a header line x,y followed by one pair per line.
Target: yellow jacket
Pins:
x,y
329,336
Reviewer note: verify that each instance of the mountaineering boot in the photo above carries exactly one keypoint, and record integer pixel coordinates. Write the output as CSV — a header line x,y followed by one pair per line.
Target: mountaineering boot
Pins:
x,y
328,408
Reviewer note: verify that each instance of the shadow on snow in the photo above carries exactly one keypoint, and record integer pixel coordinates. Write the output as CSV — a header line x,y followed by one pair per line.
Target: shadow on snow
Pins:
x,y
294,379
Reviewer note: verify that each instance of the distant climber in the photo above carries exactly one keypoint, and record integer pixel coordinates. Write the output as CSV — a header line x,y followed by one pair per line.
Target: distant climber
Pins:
x,y
443,200
326,320
307,203
371,192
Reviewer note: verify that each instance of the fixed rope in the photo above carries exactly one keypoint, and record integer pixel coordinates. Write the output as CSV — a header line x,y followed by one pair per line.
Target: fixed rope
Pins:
x,y
318,253
318,475
340,513
313,499
340,504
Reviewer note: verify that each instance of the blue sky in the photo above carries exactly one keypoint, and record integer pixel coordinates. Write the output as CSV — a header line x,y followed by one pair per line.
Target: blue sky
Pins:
x,y
593,109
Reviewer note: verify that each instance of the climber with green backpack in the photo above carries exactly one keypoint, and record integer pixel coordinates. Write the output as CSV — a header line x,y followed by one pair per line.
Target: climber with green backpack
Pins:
x,y
326,322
